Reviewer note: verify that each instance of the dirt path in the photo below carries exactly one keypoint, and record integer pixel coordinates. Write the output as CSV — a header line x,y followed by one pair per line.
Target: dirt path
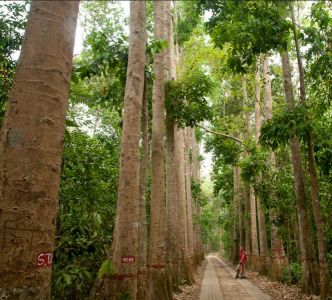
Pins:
x,y
219,283
210,286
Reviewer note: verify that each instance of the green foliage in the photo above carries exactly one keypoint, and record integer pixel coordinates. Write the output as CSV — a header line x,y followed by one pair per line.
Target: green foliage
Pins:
x,y
188,19
224,149
102,66
222,181
186,99
195,188
155,46
316,36
292,273
250,27
198,193
86,213
106,63
13,17
106,269
216,220
323,144
278,130
254,164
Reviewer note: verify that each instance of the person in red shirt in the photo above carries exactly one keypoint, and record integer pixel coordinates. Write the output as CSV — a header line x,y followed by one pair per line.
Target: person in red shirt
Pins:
x,y
240,266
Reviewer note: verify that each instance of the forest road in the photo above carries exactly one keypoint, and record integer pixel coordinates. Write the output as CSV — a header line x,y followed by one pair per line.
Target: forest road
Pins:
x,y
219,283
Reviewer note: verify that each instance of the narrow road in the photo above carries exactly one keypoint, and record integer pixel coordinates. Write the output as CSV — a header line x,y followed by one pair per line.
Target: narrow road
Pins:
x,y
219,283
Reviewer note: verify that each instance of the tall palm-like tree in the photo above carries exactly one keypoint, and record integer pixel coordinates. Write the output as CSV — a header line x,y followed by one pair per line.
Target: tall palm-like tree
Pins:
x,y
31,148
157,256
124,250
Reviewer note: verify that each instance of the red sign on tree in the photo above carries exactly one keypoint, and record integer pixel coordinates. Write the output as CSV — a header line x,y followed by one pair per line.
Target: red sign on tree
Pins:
x,y
44,259
128,259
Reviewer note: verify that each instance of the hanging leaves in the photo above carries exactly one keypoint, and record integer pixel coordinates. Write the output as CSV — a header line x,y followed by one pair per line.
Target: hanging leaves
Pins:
x,y
278,130
186,99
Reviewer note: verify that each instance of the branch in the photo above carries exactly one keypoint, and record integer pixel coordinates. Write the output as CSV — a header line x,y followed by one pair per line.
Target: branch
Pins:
x,y
298,25
220,134
262,110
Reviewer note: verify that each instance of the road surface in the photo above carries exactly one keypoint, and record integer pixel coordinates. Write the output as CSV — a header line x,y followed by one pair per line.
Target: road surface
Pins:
x,y
219,283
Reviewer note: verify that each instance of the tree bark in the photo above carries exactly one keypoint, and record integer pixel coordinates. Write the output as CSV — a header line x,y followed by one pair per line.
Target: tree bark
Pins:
x,y
199,252
172,248
247,220
189,201
235,210
240,207
310,281
254,237
323,265
31,148
258,118
142,229
157,257
123,253
263,250
279,258
182,216
254,258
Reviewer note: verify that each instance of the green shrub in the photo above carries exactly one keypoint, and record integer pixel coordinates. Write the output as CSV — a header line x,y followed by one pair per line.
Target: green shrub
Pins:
x,y
291,274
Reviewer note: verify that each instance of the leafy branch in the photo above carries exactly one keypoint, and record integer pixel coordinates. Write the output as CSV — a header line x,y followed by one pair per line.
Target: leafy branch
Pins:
x,y
220,134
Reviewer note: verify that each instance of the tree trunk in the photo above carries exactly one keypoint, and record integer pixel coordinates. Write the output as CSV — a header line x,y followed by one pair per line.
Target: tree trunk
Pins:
x,y
323,265
189,201
182,216
171,206
258,118
142,229
124,248
31,148
240,208
267,89
263,251
254,237
170,60
310,281
199,252
254,258
246,186
172,249
279,258
235,210
247,219
157,256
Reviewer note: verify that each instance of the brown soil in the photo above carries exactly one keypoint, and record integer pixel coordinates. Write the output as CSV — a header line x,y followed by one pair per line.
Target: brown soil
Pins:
x,y
277,290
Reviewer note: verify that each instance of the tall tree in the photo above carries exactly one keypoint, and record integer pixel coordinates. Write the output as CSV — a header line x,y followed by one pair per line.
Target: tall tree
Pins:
x,y
157,254
190,228
182,237
310,280
195,169
31,147
323,266
246,192
142,229
278,256
254,262
263,248
172,248
123,252
236,231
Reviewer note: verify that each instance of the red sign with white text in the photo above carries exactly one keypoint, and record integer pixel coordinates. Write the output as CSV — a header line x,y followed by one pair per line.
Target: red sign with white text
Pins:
x,y
128,259
44,259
